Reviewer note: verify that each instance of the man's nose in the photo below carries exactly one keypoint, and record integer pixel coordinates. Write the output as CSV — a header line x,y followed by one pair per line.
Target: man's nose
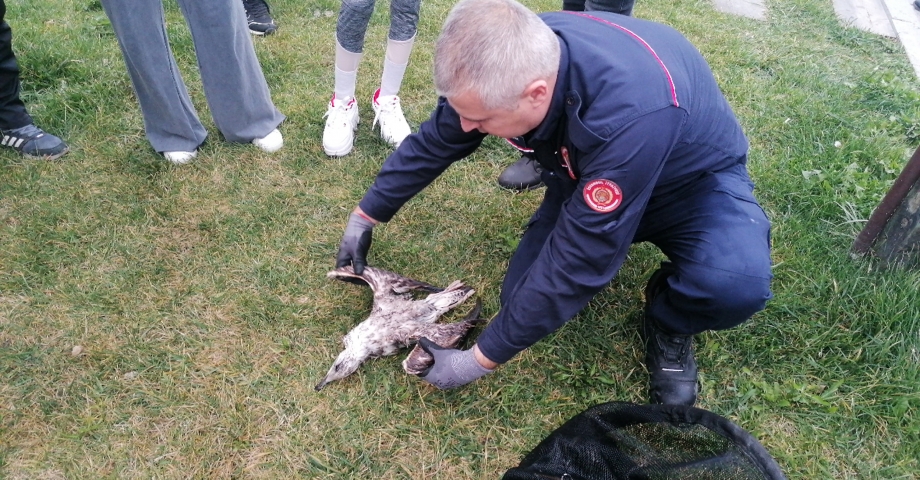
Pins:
x,y
467,125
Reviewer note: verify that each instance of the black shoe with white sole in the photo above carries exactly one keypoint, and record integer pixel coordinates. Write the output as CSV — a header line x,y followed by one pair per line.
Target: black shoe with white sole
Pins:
x,y
259,17
34,142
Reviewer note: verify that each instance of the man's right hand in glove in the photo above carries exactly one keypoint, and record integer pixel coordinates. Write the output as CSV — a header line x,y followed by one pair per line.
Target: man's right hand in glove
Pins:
x,y
356,241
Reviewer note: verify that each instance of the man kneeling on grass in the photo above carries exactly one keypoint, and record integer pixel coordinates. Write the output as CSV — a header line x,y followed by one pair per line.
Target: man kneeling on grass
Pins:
x,y
637,144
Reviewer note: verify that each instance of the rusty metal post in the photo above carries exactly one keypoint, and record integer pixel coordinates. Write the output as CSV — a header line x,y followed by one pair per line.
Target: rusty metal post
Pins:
x,y
892,200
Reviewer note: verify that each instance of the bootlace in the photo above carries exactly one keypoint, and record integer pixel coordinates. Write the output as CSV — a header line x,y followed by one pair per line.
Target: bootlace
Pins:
x,y
674,348
387,110
338,111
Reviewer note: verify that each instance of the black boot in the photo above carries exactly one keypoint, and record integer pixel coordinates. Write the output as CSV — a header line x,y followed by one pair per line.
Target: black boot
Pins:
x,y
521,175
673,376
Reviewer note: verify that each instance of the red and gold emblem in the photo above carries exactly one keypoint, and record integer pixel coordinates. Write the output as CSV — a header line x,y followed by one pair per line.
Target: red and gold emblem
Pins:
x,y
603,195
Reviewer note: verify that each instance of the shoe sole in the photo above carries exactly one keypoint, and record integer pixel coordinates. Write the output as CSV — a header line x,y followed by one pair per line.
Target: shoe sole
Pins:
x,y
522,189
47,157
261,34
338,153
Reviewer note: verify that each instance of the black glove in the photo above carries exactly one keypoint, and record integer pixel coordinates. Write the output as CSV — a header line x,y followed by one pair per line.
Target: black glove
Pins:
x,y
451,368
356,241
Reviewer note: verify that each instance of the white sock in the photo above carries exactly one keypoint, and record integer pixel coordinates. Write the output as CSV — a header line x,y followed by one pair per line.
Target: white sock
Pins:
x,y
346,71
394,66
345,83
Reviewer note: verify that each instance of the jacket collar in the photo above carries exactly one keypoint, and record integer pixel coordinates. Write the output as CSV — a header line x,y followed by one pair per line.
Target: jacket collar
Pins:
x,y
547,130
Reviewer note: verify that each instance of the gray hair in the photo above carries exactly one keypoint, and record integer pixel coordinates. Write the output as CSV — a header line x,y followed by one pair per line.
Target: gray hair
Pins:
x,y
494,49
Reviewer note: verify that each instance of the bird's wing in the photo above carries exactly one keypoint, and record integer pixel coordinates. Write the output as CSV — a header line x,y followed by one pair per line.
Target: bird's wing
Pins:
x,y
381,281
400,284
347,274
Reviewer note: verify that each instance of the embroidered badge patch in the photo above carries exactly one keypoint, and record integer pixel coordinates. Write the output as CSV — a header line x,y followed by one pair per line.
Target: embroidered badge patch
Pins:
x,y
603,195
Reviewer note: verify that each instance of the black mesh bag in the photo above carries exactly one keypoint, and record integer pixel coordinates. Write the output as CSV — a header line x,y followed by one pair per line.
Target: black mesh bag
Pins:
x,y
621,440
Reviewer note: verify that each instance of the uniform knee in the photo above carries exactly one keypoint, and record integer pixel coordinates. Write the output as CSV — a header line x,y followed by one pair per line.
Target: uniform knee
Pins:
x,y
728,299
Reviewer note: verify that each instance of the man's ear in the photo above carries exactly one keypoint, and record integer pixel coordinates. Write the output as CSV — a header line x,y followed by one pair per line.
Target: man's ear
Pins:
x,y
538,92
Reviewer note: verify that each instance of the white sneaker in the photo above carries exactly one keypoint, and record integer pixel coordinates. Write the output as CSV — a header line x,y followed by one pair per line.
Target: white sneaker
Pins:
x,y
270,143
341,122
180,157
393,126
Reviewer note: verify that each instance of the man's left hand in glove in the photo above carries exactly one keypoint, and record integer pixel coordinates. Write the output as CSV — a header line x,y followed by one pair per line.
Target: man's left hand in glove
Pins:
x,y
451,368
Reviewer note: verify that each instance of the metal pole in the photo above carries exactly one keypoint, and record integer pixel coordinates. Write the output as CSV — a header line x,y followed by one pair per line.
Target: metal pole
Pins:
x,y
889,204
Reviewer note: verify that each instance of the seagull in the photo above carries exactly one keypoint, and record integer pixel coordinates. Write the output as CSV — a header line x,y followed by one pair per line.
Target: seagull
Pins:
x,y
397,320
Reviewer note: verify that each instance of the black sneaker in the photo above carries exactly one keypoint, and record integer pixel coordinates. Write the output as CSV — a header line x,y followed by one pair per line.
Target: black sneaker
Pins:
x,y
32,141
521,175
673,376
259,17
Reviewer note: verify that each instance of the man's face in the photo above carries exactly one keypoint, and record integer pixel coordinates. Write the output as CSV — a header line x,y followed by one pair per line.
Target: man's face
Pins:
x,y
530,111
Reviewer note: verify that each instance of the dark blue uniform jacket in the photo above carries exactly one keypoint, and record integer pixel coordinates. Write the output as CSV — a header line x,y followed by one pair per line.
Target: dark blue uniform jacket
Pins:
x,y
636,106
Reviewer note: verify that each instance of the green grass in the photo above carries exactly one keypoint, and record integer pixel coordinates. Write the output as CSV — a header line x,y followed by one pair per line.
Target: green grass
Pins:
x,y
199,296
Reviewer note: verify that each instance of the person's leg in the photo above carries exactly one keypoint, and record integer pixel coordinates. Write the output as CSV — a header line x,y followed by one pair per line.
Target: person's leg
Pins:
x,y
623,7
170,120
394,65
351,27
234,84
342,111
17,130
387,109
717,239
403,26
13,113
573,5
346,72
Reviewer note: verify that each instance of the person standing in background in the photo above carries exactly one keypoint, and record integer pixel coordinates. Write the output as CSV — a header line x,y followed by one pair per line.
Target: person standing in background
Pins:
x,y
17,129
342,112
234,84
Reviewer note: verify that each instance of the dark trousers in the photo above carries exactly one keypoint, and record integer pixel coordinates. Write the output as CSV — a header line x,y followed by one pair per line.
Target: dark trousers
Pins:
x,y
715,235
623,7
13,112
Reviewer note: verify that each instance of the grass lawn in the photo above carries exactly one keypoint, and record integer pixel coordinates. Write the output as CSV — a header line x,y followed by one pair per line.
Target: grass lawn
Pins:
x,y
199,299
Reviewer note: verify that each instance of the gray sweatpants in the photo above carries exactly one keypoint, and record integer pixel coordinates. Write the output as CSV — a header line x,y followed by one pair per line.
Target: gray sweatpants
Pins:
x,y
234,85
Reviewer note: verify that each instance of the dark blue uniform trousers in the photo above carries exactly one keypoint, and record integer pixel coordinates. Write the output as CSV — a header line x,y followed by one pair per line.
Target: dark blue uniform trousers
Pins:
x,y
715,235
